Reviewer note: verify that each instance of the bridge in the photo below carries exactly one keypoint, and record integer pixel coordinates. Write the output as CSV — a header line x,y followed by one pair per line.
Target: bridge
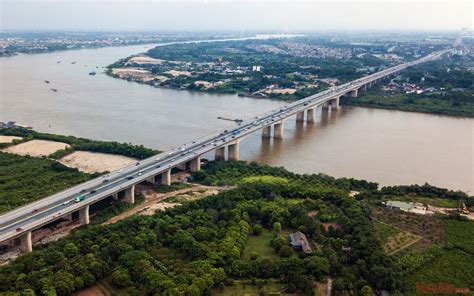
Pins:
x,y
16,226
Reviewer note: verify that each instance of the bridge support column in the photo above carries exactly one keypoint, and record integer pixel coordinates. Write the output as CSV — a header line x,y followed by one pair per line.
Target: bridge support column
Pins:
x,y
26,243
300,116
166,178
129,194
267,132
335,105
84,215
311,115
115,196
233,150
220,153
325,106
196,164
278,130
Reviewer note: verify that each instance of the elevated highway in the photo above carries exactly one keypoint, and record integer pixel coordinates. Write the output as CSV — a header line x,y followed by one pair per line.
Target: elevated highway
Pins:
x,y
19,223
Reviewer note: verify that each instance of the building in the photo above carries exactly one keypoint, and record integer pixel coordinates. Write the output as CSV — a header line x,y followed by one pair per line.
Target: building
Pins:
x,y
300,242
404,206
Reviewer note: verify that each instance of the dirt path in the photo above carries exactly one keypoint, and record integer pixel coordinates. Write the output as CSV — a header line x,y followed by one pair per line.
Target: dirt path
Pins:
x,y
152,198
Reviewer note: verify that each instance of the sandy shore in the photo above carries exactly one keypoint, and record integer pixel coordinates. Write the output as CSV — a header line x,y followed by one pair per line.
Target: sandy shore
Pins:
x,y
9,139
92,162
37,148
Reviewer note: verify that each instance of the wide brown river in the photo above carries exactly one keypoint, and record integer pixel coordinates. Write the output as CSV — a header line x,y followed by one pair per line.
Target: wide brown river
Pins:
x,y
389,147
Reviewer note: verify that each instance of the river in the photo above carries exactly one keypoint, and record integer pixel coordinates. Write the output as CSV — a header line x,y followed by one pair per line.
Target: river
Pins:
x,y
389,147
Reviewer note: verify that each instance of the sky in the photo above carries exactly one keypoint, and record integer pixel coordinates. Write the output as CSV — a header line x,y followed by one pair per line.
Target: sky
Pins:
x,y
201,15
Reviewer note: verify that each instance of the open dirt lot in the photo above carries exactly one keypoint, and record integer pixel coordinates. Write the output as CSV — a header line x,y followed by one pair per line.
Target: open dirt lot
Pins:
x,y
92,162
36,148
9,139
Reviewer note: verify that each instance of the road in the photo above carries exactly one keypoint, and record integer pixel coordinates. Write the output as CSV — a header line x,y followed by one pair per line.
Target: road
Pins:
x,y
34,215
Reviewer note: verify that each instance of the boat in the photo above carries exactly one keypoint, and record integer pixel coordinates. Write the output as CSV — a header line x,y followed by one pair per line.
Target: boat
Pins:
x,y
92,73
47,81
73,63
53,89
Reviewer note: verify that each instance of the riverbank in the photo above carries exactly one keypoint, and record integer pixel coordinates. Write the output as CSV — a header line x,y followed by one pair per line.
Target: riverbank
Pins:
x,y
452,105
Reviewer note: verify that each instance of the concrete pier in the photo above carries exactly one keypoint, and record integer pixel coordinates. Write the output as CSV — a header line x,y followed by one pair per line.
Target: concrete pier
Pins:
x,y
129,194
220,153
84,215
335,103
196,164
311,115
300,116
325,106
26,243
278,130
267,132
233,150
166,178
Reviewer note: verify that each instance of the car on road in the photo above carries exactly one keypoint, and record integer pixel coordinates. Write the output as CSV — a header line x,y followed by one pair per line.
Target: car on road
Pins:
x,y
19,229
105,181
138,163
129,177
66,202
34,211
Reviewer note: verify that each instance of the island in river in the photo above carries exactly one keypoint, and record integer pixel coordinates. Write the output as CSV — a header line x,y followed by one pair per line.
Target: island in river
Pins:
x,y
291,69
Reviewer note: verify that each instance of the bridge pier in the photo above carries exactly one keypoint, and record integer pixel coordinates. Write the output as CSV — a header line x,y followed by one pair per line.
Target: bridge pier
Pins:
x,y
233,150
84,215
267,131
196,164
220,153
115,196
325,106
300,116
130,194
278,130
26,244
311,115
166,178
335,105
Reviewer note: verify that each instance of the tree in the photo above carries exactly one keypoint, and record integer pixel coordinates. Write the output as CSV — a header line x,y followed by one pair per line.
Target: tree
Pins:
x,y
257,229
366,291
277,227
285,251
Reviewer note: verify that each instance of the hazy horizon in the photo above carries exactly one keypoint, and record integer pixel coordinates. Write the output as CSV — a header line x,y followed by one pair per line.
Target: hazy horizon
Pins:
x,y
147,16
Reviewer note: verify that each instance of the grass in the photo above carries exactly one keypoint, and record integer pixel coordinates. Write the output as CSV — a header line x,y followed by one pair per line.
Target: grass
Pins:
x,y
261,245
173,187
239,288
391,238
460,234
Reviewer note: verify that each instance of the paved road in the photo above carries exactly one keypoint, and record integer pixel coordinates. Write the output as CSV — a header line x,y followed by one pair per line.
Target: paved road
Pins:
x,y
34,215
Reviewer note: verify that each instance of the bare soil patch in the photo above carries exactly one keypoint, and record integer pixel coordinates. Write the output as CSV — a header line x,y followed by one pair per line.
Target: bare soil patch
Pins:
x,y
9,139
37,148
333,225
92,162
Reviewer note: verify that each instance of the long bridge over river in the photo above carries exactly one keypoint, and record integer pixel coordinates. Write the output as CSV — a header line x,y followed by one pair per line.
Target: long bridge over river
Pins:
x,y
16,226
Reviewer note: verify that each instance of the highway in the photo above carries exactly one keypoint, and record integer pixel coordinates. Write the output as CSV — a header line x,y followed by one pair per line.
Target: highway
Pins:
x,y
32,216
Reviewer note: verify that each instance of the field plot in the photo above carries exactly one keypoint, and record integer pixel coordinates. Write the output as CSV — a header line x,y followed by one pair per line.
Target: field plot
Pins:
x,y
37,148
93,162
393,239
249,289
429,228
9,139
461,234
261,245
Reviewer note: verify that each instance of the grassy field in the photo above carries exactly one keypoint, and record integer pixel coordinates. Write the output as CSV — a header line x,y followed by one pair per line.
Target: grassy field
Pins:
x,y
239,288
391,238
261,245
26,179
461,234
